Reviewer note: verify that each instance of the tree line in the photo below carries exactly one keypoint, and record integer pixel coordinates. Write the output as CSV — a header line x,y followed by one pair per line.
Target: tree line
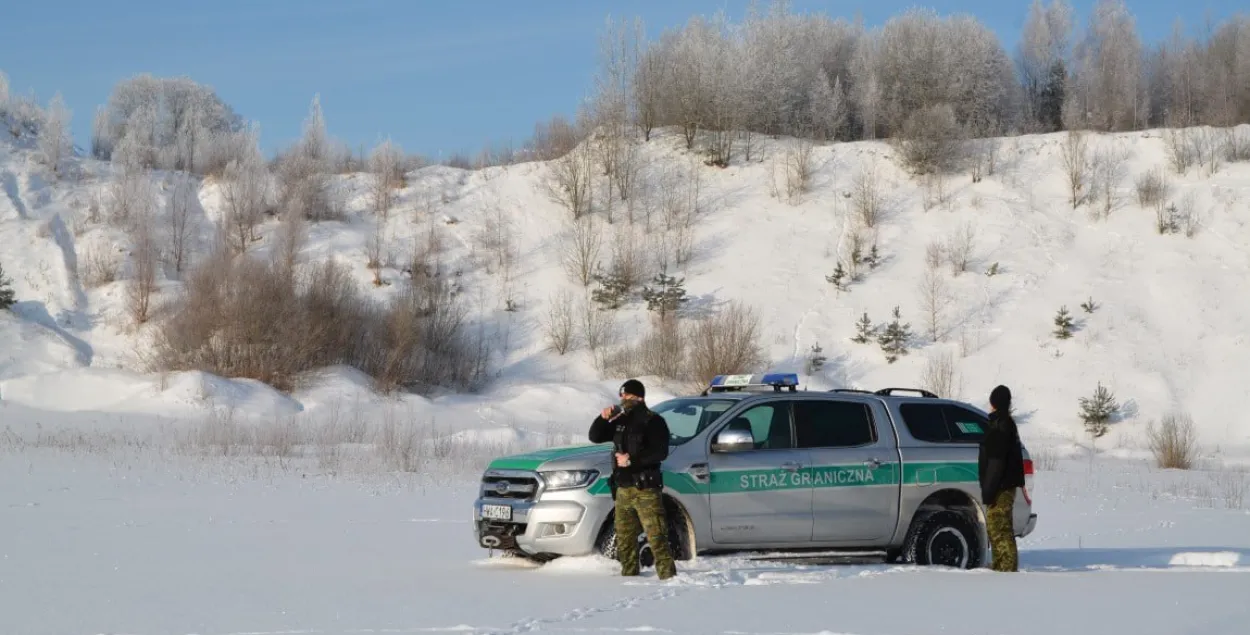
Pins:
x,y
782,73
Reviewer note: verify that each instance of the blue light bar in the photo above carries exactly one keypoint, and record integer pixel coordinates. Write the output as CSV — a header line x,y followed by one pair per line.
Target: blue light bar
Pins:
x,y
773,380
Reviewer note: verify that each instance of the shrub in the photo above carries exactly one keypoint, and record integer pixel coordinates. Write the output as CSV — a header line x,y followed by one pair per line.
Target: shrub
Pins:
x,y
1174,443
244,317
725,343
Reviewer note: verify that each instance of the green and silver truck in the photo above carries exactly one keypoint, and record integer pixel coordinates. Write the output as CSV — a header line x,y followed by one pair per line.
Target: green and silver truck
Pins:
x,y
756,465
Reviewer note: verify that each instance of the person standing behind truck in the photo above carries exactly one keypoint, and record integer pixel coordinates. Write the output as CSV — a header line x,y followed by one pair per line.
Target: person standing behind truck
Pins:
x,y
1000,472
640,440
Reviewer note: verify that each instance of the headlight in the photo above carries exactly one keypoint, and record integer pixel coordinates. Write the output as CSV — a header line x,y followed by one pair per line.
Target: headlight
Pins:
x,y
568,479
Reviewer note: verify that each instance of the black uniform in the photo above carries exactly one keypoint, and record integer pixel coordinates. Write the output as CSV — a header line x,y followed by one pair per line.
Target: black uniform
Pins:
x,y
1000,471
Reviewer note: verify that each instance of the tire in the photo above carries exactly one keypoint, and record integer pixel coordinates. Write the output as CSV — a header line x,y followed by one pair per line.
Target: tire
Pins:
x,y
944,538
606,544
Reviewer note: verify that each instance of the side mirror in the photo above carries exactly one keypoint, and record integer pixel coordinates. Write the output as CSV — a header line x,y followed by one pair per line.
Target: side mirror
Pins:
x,y
732,440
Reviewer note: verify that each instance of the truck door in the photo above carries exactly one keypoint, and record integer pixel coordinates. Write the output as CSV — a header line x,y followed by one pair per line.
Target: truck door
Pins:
x,y
855,470
759,495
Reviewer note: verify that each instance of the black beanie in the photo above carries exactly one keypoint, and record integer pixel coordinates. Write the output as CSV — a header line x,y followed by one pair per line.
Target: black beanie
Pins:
x,y
1000,398
635,388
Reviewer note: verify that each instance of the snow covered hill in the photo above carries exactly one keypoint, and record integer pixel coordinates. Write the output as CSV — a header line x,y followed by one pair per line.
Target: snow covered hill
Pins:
x,y
1006,251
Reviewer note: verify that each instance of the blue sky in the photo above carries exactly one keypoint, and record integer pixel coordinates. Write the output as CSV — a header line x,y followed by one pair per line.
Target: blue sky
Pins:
x,y
437,77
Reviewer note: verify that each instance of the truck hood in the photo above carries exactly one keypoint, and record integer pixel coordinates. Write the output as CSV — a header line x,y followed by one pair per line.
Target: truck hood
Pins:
x,y
568,457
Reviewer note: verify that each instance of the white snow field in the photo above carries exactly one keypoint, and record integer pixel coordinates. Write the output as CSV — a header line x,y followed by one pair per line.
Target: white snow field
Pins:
x,y
152,503
128,542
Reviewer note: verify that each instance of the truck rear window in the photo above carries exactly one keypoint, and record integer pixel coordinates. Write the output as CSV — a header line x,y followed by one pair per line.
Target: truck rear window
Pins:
x,y
943,423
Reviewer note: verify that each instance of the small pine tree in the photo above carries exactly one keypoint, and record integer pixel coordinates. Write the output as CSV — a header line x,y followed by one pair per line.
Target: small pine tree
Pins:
x,y
7,298
864,330
1063,324
667,296
992,271
816,359
1089,306
1097,410
895,337
873,258
838,277
613,289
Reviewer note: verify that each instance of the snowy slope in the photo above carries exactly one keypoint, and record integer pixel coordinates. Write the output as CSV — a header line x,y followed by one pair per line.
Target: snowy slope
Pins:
x,y
1168,333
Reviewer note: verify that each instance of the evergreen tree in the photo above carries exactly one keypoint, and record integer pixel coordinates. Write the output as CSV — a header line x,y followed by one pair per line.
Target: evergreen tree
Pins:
x,y
873,258
1097,410
1063,324
7,298
1089,306
838,278
895,337
666,296
864,330
816,359
613,289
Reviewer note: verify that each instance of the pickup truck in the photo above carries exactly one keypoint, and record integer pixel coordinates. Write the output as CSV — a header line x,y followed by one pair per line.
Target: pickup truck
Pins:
x,y
757,465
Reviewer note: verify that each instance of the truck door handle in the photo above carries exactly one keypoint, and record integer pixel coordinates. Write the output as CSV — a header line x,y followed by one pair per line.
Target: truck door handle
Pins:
x,y
791,466
873,463
699,471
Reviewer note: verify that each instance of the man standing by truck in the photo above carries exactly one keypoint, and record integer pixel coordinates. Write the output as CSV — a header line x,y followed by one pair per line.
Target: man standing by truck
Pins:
x,y
640,441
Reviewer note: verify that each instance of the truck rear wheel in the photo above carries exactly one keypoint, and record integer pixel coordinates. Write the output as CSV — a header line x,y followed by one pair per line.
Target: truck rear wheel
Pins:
x,y
944,538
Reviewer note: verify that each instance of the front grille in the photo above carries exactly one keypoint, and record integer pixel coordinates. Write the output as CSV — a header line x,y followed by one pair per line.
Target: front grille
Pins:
x,y
510,487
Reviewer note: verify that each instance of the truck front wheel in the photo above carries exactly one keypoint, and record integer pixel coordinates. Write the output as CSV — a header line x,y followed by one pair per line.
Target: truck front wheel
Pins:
x,y
606,545
944,538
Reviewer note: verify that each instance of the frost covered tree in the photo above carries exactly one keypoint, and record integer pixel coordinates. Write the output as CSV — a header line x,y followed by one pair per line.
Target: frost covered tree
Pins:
x,y
1044,50
54,139
1108,92
303,171
4,90
386,164
827,107
245,192
171,123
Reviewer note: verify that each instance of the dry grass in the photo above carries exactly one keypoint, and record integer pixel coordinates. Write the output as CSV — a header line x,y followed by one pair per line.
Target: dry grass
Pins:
x,y
1174,442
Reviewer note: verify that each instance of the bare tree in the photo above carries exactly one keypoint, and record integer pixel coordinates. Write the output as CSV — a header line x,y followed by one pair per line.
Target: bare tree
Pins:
x,y
797,167
144,255
182,213
571,180
245,192
935,297
1152,188
292,236
941,375
931,140
54,140
960,246
1076,166
561,324
866,193
386,164
1181,150
727,342
580,250
1107,171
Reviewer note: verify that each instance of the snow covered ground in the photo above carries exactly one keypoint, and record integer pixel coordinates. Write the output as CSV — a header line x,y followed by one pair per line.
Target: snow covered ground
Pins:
x,y
125,541
143,503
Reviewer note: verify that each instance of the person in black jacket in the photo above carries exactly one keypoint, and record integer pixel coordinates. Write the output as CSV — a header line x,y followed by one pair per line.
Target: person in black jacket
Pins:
x,y
640,441
1000,472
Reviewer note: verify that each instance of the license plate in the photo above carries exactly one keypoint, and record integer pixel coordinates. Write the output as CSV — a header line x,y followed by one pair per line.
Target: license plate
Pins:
x,y
497,512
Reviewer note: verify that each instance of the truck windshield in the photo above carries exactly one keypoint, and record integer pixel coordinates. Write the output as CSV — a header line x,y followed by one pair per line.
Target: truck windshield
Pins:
x,y
686,418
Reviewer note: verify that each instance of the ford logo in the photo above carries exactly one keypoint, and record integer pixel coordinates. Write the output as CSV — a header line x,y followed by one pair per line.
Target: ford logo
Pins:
x,y
502,487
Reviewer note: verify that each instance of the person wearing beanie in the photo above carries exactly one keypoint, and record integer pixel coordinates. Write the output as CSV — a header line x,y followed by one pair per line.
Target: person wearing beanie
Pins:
x,y
640,441
1000,472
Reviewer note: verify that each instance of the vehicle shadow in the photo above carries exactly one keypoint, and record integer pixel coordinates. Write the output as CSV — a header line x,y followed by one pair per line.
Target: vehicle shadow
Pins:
x,y
1159,558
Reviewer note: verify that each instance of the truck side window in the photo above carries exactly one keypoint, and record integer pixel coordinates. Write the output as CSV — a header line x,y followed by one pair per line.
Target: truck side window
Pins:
x,y
926,422
833,424
965,425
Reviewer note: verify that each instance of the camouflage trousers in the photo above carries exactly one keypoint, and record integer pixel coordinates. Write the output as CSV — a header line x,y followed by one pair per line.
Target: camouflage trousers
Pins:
x,y
1002,533
642,509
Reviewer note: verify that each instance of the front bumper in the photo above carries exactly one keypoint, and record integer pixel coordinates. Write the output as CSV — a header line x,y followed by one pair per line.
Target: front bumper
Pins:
x,y
566,525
